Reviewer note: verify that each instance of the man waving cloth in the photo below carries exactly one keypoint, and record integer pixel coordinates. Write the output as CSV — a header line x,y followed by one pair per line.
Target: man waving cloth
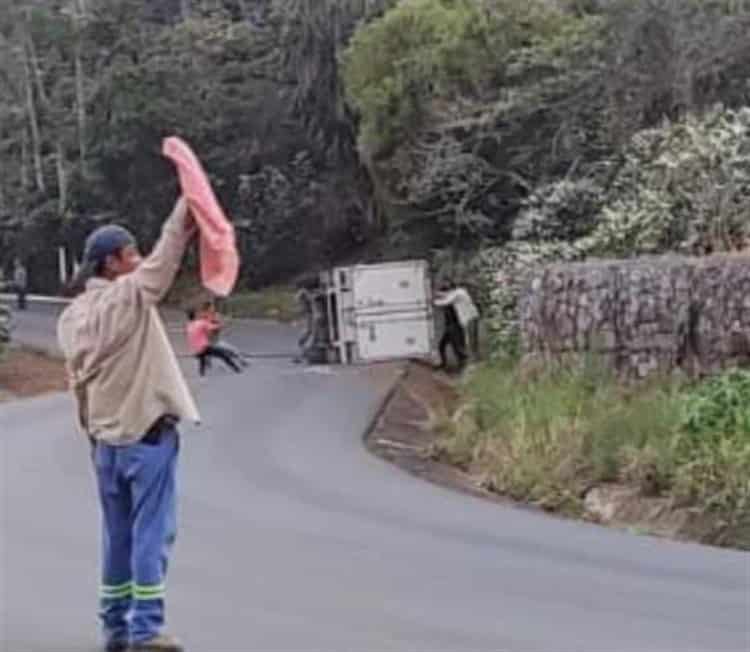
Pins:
x,y
130,395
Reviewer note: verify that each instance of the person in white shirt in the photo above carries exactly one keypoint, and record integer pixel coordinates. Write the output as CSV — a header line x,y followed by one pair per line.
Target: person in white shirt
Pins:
x,y
460,314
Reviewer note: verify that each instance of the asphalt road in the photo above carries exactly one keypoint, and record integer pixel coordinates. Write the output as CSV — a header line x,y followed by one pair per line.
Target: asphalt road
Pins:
x,y
294,538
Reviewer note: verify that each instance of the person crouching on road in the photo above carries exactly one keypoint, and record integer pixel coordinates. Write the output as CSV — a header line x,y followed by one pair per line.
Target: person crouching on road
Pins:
x,y
201,329
217,338
130,395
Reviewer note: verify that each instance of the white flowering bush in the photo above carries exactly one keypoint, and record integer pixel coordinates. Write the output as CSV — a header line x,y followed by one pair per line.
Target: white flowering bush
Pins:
x,y
502,273
563,210
683,188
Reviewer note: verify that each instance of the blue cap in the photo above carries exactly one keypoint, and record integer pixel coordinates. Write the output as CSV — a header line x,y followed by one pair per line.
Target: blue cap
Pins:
x,y
105,241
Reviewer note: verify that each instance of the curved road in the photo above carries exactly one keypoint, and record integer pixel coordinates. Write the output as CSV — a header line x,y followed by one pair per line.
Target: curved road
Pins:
x,y
294,538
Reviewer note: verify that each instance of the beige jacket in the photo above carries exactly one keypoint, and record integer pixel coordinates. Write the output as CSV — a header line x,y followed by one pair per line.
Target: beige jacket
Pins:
x,y
123,371
460,299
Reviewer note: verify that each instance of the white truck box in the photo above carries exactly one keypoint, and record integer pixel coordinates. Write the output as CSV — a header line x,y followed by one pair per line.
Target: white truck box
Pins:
x,y
381,312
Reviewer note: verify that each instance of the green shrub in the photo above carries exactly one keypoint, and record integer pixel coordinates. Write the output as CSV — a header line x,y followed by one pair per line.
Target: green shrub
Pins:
x,y
276,303
719,405
713,450
547,437
502,274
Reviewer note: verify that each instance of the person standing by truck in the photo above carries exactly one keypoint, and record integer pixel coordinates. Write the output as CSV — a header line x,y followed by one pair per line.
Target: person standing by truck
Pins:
x,y
460,316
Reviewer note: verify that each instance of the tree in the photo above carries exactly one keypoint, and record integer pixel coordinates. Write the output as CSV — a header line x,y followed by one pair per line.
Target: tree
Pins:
x,y
464,105
94,86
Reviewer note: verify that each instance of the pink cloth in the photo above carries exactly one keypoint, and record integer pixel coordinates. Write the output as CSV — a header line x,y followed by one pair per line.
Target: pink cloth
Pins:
x,y
199,333
220,262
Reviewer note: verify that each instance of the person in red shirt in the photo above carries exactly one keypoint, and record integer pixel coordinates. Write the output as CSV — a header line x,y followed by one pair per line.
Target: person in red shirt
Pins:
x,y
216,338
201,330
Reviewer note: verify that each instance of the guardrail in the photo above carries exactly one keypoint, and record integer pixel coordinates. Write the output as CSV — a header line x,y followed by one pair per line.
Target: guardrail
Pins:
x,y
39,298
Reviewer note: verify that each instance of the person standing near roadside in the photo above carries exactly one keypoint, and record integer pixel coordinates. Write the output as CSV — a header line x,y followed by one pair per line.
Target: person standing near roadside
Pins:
x,y
20,283
130,395
460,315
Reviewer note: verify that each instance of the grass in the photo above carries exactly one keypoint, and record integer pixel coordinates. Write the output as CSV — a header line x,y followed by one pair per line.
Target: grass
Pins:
x,y
277,303
546,438
26,373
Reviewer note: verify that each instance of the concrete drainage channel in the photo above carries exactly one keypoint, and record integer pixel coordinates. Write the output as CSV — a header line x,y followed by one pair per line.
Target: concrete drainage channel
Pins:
x,y
398,375
34,298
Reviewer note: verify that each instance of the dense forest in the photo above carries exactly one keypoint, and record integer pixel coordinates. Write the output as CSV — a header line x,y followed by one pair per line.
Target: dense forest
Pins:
x,y
88,88
485,134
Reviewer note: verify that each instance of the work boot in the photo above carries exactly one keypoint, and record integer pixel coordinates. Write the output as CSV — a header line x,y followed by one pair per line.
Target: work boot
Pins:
x,y
116,646
160,643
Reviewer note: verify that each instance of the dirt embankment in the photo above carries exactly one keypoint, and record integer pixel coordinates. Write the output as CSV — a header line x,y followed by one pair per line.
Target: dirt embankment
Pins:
x,y
409,427
24,374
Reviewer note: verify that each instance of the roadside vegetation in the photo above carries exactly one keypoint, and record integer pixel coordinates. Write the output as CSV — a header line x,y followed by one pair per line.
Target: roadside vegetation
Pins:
x,y
276,303
548,437
6,325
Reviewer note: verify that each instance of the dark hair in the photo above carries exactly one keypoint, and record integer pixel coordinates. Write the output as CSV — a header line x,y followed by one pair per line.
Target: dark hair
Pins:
x,y
190,314
99,267
77,284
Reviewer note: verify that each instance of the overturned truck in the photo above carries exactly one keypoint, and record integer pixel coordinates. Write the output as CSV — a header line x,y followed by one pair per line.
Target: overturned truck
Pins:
x,y
373,313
